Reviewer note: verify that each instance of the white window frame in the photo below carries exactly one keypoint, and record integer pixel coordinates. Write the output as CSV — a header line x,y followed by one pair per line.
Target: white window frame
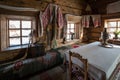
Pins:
x,y
20,29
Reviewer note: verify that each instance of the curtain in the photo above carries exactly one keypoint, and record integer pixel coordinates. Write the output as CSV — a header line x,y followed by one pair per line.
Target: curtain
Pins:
x,y
79,31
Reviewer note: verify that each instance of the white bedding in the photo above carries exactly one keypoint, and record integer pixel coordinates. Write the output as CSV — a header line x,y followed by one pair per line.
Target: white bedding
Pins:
x,y
102,61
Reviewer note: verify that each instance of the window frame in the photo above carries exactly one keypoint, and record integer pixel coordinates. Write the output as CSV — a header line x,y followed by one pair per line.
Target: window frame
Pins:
x,y
68,33
4,30
107,21
8,19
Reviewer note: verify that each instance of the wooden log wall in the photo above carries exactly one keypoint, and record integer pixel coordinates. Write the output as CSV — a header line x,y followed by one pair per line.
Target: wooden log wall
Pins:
x,y
10,55
75,7
93,34
68,6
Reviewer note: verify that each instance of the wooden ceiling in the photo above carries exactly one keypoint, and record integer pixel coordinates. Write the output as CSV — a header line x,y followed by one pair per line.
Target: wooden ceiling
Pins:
x,y
99,6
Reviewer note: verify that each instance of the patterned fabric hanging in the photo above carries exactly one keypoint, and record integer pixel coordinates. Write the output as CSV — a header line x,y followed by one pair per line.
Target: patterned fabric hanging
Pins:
x,y
96,20
60,18
46,16
85,21
64,26
54,20
40,28
49,20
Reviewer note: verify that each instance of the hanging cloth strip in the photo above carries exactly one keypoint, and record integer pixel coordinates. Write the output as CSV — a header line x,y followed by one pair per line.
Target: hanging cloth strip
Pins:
x,y
54,27
49,28
60,18
46,16
40,27
96,20
52,16
64,26
85,21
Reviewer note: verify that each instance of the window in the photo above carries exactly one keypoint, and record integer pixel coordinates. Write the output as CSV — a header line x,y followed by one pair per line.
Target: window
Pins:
x,y
70,30
19,31
74,28
112,26
15,30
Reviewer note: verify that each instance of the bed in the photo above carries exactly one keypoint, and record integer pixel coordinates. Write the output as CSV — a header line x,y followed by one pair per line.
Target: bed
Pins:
x,y
102,61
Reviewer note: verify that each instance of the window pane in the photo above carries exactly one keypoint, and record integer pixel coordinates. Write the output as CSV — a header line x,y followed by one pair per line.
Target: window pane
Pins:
x,y
14,24
72,30
72,25
118,36
111,35
68,31
13,33
26,24
14,41
68,36
26,32
68,25
118,29
111,29
119,24
111,24
25,40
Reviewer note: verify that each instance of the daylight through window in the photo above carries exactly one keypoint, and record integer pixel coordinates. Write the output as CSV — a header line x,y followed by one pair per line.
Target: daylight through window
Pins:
x,y
113,26
70,30
19,31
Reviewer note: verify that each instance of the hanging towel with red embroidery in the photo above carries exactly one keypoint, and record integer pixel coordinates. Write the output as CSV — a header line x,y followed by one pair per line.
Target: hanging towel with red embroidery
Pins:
x,y
86,21
46,16
96,20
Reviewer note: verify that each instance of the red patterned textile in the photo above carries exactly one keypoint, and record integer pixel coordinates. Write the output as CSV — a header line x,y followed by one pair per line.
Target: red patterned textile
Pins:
x,y
86,21
96,20
60,18
75,46
18,65
46,16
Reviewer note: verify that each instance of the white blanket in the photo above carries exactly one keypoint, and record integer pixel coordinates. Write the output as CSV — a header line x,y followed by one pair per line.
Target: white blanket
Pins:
x,y
102,61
